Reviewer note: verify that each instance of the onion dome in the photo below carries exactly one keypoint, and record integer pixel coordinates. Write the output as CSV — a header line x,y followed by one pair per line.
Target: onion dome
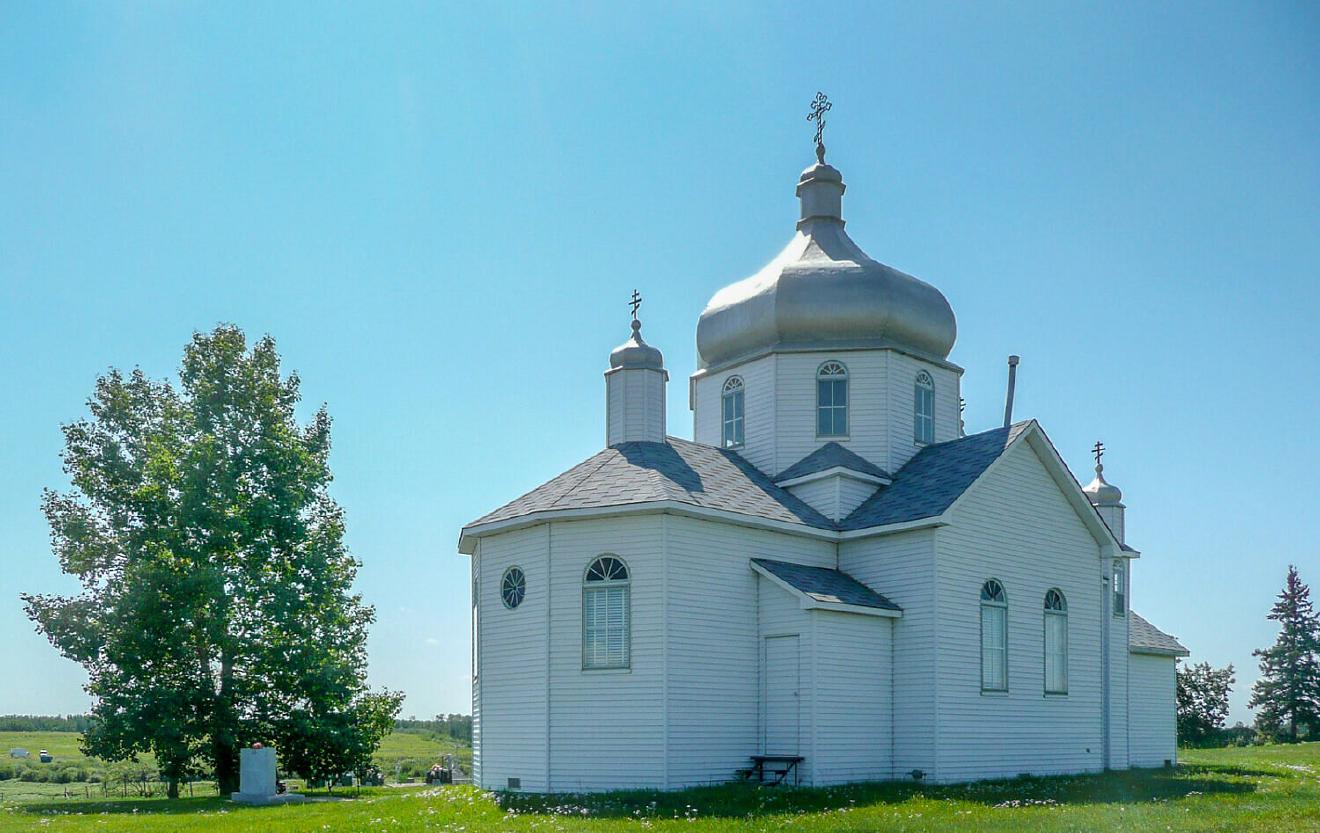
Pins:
x,y
636,353
1102,493
823,292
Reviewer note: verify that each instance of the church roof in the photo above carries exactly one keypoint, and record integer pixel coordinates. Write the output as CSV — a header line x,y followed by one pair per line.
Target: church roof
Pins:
x,y
678,470
1145,638
933,479
825,585
828,456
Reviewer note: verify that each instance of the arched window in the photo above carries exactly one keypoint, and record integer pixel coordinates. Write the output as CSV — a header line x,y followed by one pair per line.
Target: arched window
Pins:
x,y
732,406
513,587
923,408
832,400
994,637
606,626
1056,643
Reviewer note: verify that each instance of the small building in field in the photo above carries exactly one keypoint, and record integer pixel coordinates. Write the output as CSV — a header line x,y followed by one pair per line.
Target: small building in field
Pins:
x,y
831,575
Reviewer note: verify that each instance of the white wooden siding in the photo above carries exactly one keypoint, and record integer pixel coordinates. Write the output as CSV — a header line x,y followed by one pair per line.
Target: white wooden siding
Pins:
x,y
781,406
1153,721
779,613
902,568
635,406
605,727
512,663
1118,687
835,496
758,378
902,372
1016,526
714,644
853,697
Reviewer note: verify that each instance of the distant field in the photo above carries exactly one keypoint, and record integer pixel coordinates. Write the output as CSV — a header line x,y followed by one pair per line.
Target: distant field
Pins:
x,y
1273,789
407,754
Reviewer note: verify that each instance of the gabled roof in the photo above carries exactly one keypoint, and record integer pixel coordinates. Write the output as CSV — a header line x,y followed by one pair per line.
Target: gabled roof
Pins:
x,y
933,479
1145,638
823,585
831,455
677,471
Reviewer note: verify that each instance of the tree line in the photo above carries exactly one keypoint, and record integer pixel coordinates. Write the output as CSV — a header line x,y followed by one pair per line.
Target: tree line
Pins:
x,y
1287,695
45,723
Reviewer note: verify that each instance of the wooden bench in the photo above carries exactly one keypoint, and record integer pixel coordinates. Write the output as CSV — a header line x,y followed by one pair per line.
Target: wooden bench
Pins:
x,y
777,766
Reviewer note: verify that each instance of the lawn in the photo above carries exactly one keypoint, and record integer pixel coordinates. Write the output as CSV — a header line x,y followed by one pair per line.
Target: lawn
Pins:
x,y
1262,789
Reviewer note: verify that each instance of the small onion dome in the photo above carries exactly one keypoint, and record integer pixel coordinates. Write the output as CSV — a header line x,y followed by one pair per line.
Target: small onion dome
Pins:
x,y
823,292
635,353
1102,493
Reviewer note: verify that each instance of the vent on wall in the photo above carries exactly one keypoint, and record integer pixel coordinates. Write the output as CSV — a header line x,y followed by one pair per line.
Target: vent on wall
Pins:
x,y
515,783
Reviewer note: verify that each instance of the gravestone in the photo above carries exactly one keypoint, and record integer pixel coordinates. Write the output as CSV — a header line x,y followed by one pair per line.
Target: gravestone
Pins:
x,y
256,779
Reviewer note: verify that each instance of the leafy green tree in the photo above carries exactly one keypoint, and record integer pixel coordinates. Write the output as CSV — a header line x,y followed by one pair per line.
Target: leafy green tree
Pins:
x,y
216,602
1288,691
322,746
1202,701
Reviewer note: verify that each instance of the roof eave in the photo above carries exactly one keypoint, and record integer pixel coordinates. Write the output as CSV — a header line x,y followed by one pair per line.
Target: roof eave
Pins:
x,y
1159,652
469,534
806,602
835,471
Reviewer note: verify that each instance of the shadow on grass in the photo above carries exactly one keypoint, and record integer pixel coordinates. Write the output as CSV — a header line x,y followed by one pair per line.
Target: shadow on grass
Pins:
x,y
752,801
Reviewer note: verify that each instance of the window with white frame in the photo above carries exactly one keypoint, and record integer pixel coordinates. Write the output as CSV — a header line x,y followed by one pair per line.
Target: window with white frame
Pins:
x,y
732,405
832,400
1056,643
1120,587
513,587
606,625
994,637
923,407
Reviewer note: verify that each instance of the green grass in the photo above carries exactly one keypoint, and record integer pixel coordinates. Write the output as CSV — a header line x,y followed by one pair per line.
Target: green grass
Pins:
x,y
1275,788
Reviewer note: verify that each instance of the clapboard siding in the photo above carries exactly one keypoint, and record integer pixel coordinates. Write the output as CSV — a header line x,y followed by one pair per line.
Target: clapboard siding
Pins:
x,y
1118,688
795,405
604,731
902,373
1016,526
512,663
902,568
779,613
714,652
1153,721
635,406
852,698
758,411
822,495
852,493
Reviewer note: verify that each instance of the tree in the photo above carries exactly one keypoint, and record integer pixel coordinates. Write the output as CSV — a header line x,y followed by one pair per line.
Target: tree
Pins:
x,y
1202,701
1288,691
216,606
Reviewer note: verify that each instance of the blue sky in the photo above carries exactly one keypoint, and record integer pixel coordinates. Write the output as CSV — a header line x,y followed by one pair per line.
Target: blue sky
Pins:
x,y
439,211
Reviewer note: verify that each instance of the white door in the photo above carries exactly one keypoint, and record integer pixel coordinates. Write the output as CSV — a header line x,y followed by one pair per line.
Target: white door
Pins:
x,y
781,695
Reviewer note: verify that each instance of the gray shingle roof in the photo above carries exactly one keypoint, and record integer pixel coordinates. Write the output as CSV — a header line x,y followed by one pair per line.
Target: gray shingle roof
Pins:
x,y
677,470
828,456
1143,637
826,585
933,479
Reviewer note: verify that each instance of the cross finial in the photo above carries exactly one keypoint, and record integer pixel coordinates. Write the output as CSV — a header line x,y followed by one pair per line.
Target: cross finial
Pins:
x,y
820,105
1099,451
635,303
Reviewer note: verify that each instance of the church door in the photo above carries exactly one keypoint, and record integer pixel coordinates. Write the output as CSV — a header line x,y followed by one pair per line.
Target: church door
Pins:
x,y
781,695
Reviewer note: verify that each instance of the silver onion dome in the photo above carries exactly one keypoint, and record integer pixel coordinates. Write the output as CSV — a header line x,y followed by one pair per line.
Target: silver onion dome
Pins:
x,y
823,292
1101,492
636,353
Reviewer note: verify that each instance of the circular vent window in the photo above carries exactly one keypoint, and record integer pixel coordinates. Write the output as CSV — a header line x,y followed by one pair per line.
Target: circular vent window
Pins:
x,y
513,587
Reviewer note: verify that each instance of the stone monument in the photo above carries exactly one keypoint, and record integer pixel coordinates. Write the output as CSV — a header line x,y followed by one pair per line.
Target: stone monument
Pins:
x,y
256,778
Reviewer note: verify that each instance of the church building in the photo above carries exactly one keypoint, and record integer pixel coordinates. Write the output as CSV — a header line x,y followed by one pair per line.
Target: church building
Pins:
x,y
829,583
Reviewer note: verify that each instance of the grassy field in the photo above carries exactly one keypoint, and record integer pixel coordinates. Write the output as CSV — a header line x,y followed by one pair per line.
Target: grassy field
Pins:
x,y
407,753
1256,789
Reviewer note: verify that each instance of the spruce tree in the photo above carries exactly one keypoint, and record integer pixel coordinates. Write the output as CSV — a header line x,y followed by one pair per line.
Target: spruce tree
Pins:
x,y
1288,691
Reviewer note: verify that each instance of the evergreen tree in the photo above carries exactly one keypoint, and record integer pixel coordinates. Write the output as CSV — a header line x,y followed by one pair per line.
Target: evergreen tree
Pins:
x,y
217,606
1288,691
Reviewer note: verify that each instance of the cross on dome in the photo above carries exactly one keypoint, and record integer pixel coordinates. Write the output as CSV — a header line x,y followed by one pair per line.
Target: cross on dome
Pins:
x,y
635,303
820,105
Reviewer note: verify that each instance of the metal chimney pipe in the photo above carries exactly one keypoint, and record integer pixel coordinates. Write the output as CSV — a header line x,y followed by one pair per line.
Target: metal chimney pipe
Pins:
x,y
1012,383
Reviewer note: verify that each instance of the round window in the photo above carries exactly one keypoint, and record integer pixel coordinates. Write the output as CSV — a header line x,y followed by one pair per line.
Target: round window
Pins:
x,y
513,587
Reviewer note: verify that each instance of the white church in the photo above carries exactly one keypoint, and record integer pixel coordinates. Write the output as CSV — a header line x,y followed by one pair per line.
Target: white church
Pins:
x,y
830,583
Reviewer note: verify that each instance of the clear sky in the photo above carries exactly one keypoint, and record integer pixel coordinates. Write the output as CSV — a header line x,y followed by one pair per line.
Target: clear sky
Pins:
x,y
439,211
